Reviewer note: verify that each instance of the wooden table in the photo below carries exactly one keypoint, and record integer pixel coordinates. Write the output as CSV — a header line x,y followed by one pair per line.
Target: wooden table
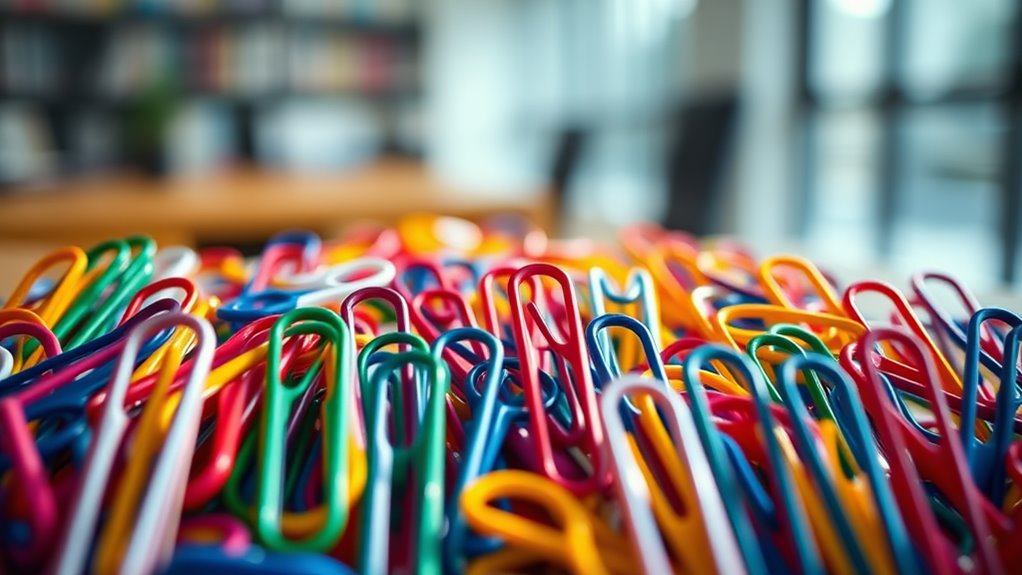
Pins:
x,y
245,205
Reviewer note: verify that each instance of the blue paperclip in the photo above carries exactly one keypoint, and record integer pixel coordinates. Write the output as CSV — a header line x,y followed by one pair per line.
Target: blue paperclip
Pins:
x,y
604,360
868,459
809,560
193,559
478,430
987,459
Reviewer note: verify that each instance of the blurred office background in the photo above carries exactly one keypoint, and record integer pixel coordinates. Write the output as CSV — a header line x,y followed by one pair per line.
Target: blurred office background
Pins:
x,y
869,134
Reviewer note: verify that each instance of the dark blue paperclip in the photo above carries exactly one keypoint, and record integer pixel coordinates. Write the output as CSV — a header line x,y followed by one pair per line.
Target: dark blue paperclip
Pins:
x,y
986,460
808,558
867,458
193,559
479,430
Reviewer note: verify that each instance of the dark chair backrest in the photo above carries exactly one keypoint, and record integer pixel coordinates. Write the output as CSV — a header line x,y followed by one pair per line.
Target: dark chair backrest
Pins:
x,y
698,157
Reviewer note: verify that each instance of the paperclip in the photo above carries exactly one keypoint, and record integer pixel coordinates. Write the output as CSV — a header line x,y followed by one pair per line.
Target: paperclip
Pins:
x,y
59,297
320,287
823,291
844,330
905,317
337,411
604,359
586,428
715,448
403,323
436,312
702,538
947,324
156,517
427,452
638,292
96,309
486,430
943,463
987,460
584,545
493,293
866,457
796,523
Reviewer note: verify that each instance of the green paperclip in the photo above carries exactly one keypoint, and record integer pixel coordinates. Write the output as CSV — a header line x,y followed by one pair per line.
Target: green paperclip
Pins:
x,y
127,272
427,450
238,482
336,412
821,404
404,427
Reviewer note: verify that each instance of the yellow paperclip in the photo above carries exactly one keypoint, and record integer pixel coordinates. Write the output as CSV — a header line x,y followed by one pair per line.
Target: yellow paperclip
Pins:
x,y
857,498
846,330
584,544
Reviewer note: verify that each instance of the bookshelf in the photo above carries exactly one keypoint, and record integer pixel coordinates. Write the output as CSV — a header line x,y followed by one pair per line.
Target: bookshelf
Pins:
x,y
122,60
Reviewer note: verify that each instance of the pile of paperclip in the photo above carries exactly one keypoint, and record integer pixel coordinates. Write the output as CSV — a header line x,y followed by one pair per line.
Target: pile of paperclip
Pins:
x,y
442,397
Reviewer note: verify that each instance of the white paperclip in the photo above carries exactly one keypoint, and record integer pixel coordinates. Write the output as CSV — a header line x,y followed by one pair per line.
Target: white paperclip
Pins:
x,y
152,539
331,283
631,484
6,363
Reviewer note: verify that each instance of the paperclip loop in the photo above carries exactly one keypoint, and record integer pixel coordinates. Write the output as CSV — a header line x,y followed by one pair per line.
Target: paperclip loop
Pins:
x,y
942,319
175,262
388,468
905,316
60,296
843,330
638,298
701,536
822,296
280,397
942,463
403,323
603,355
893,553
585,430
494,305
97,307
152,501
578,541
435,312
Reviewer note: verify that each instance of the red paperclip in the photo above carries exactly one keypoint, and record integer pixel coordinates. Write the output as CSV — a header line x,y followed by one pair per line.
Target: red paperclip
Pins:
x,y
944,464
586,429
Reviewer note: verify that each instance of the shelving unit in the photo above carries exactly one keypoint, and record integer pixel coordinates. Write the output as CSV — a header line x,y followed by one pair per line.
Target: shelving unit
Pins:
x,y
61,62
